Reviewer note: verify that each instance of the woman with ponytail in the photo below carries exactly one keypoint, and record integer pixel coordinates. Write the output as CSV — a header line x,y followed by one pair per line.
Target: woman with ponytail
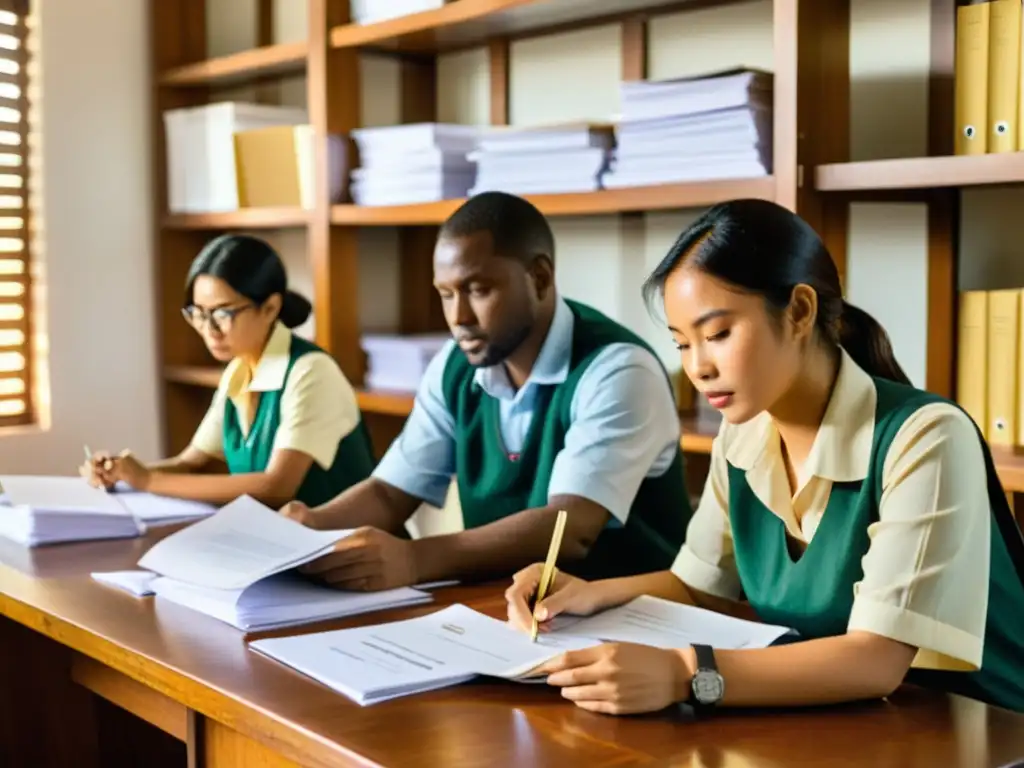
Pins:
x,y
841,502
284,419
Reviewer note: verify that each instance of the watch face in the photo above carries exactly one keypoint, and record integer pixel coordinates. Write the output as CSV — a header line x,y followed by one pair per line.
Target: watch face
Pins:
x,y
708,687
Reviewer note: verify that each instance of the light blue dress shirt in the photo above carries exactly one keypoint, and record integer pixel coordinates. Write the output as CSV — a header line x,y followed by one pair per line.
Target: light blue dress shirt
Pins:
x,y
624,425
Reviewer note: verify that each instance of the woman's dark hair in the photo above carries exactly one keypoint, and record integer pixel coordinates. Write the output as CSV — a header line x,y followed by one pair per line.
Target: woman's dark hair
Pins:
x,y
763,248
252,268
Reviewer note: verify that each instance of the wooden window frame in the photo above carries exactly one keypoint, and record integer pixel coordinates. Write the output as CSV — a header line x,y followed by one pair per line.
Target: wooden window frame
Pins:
x,y
25,400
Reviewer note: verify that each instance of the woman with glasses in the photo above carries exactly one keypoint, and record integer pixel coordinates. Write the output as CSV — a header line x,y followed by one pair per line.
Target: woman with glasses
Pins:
x,y
284,419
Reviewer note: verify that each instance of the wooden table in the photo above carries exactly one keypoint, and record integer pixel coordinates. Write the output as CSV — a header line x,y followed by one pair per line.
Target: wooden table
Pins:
x,y
199,697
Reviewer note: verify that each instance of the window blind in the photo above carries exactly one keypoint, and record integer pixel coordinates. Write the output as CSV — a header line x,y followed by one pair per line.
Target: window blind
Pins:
x,y
16,402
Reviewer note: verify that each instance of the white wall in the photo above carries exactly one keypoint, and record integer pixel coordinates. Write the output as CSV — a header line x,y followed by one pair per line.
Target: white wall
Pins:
x,y
94,259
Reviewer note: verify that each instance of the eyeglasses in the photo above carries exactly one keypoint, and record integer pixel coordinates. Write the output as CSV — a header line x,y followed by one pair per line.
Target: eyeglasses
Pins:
x,y
220,319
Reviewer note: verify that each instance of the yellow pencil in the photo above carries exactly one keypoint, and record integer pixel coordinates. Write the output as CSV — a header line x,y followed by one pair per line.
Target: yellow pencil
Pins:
x,y
547,576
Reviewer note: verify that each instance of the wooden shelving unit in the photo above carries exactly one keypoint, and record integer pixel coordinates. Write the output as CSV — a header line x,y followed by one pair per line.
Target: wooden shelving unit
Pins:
x,y
812,172
636,199
929,173
264,62
246,218
468,23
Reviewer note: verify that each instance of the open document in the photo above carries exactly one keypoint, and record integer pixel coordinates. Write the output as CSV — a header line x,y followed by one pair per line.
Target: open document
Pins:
x,y
376,663
665,624
37,509
238,566
244,542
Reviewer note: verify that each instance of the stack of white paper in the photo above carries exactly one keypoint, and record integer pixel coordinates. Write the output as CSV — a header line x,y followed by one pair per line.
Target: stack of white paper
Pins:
x,y
370,11
546,160
234,566
399,362
40,510
693,129
201,169
416,163
376,663
153,509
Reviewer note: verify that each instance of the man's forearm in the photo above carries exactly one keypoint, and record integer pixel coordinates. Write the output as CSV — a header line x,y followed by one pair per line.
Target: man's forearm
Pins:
x,y
504,546
372,503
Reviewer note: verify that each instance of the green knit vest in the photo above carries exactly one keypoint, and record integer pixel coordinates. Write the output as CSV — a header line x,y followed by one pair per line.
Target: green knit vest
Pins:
x,y
243,453
814,594
493,485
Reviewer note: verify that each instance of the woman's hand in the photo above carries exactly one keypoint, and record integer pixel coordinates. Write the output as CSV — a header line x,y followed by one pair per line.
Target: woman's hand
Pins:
x,y
566,594
104,471
130,470
98,470
622,678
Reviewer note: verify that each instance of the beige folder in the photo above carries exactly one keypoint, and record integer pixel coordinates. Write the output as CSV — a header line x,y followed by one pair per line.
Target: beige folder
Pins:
x,y
970,78
972,356
1004,75
1003,346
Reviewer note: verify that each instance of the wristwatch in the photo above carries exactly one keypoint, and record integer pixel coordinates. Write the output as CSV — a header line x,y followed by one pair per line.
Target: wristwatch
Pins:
x,y
708,685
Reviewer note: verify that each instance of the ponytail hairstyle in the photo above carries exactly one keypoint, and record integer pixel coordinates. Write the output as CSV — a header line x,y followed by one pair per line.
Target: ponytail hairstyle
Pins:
x,y
253,269
760,247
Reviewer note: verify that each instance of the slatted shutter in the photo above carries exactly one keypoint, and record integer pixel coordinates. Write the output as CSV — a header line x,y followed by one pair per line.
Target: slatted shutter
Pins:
x,y
16,402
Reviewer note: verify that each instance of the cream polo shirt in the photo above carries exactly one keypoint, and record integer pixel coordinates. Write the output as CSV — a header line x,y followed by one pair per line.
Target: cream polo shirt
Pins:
x,y
926,570
318,404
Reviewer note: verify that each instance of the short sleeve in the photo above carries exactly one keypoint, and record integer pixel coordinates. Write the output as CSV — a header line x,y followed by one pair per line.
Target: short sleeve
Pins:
x,y
421,460
318,409
926,572
706,561
624,428
209,436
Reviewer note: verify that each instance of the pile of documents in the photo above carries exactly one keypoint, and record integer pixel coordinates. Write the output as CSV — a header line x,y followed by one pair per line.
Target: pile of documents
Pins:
x,y
693,129
238,566
376,663
370,11
398,362
549,160
202,174
416,163
36,510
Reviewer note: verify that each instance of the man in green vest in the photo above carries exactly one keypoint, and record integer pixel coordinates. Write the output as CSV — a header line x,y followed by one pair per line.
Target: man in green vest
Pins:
x,y
537,404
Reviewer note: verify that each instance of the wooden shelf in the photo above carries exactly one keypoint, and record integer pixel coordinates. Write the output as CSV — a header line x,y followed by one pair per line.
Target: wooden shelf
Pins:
x,y
698,432
922,173
245,218
246,66
195,375
471,22
370,401
1010,468
385,402
608,201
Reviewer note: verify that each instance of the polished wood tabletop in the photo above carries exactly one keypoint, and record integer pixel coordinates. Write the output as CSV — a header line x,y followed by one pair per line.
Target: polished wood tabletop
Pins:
x,y
207,666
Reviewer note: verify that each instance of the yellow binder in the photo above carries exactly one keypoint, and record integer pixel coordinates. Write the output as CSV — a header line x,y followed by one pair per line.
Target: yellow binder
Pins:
x,y
1004,75
1003,345
970,78
972,356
